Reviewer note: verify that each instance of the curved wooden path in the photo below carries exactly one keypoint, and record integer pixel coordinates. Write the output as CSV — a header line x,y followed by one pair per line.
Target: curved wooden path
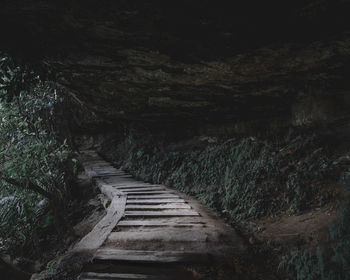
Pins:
x,y
150,229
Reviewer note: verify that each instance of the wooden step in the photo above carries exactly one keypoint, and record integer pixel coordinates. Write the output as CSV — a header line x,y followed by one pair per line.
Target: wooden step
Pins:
x,y
129,184
158,235
161,213
105,174
152,196
138,256
109,170
116,181
161,206
104,168
119,276
141,192
157,223
140,186
116,177
154,201
139,189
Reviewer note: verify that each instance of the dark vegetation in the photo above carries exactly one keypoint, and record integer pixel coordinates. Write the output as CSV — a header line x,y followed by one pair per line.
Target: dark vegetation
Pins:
x,y
326,263
323,263
243,177
249,178
37,168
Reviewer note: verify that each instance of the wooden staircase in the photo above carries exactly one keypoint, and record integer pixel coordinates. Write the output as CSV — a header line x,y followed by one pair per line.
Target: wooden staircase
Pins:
x,y
159,233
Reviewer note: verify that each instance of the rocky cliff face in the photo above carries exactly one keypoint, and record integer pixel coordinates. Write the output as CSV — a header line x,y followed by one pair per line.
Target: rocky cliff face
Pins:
x,y
245,65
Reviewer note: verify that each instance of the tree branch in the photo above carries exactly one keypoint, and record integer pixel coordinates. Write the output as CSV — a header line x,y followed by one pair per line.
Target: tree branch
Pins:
x,y
30,186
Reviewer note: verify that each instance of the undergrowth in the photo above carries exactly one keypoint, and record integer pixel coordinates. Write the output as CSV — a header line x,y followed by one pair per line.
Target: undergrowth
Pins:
x,y
250,178
37,162
245,178
17,218
331,264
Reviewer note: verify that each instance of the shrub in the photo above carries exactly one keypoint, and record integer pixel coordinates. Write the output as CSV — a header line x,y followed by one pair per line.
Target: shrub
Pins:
x,y
36,162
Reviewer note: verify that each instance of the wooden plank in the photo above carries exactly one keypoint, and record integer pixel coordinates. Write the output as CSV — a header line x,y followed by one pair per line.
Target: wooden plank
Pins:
x,y
137,184
147,192
109,169
108,190
145,188
160,213
152,196
99,164
150,189
120,180
118,276
159,235
105,174
129,184
154,201
116,175
161,206
124,176
138,256
157,223
95,238
105,169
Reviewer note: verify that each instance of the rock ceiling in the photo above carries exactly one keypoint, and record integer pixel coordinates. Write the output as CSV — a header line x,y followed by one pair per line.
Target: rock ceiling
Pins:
x,y
158,61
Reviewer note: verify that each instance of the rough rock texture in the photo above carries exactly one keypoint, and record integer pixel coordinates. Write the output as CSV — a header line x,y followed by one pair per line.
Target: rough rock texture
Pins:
x,y
249,63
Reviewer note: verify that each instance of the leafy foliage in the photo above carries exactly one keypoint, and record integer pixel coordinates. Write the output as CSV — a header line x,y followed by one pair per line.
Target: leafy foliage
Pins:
x,y
17,77
36,161
17,218
30,152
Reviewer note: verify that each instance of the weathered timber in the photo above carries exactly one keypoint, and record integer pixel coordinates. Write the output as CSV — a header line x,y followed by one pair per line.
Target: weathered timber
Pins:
x,y
139,256
164,235
154,201
133,184
120,276
161,206
115,212
138,189
157,223
151,196
147,192
161,213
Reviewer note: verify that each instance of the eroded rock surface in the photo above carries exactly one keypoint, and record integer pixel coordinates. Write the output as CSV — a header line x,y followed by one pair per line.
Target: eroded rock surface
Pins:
x,y
269,64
